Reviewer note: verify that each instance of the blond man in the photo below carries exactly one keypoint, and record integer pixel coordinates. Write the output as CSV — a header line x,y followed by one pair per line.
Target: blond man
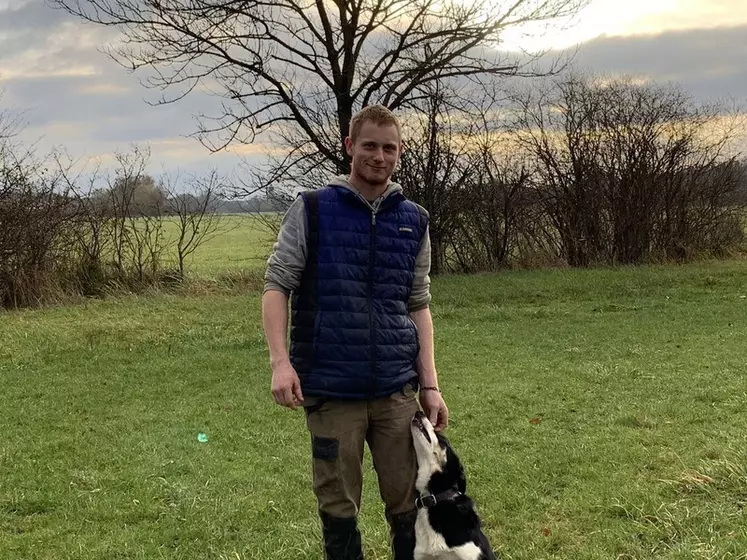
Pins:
x,y
354,257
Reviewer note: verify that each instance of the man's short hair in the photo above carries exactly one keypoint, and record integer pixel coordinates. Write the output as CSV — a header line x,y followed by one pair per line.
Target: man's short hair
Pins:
x,y
377,114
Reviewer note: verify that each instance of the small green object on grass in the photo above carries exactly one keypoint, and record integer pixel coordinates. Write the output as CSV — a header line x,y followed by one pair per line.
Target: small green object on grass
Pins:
x,y
202,438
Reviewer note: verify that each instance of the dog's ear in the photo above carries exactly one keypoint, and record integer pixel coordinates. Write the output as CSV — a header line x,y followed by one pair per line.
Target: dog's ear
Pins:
x,y
462,480
454,465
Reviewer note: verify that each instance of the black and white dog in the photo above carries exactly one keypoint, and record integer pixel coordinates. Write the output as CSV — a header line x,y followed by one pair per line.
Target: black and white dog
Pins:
x,y
447,526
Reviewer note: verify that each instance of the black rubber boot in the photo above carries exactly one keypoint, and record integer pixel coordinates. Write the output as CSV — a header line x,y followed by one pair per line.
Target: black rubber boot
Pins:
x,y
402,528
342,540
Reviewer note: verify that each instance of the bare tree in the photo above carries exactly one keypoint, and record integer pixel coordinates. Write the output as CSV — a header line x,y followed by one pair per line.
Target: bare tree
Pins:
x,y
67,230
147,242
458,164
741,192
435,165
92,225
119,229
117,200
10,125
627,172
196,214
35,214
298,69
496,208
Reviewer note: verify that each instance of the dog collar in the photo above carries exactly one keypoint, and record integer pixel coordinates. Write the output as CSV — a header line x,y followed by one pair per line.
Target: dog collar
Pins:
x,y
430,500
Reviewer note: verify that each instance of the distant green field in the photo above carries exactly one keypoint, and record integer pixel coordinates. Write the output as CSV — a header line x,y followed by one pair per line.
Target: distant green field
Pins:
x,y
600,414
242,242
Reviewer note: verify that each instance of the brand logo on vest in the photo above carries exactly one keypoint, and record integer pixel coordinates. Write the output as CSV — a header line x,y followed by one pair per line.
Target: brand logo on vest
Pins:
x,y
405,229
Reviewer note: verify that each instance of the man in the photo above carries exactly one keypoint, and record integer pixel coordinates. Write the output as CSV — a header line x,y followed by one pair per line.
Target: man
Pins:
x,y
355,257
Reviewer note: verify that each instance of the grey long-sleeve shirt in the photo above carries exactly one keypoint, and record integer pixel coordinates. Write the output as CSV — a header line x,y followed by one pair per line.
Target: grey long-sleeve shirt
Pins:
x,y
288,259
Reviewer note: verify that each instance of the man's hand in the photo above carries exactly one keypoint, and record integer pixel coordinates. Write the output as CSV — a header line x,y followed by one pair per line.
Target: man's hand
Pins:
x,y
286,386
435,408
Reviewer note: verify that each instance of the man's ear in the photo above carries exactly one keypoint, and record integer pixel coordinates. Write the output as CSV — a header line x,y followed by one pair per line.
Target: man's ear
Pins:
x,y
349,146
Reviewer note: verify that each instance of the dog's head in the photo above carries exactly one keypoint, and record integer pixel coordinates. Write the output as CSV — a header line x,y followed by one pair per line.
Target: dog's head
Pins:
x,y
438,463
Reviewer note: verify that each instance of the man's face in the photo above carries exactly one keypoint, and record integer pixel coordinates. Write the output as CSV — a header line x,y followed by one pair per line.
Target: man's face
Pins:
x,y
375,153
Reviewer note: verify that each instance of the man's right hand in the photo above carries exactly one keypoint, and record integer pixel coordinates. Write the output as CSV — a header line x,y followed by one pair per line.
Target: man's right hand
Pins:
x,y
286,386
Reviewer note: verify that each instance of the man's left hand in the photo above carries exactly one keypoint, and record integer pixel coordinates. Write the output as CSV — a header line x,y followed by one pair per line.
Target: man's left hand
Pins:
x,y
435,409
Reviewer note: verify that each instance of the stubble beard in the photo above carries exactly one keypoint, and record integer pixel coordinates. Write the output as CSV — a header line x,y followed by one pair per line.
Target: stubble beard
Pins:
x,y
373,181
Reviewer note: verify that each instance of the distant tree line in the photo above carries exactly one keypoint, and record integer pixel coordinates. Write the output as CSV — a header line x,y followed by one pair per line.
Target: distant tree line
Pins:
x,y
59,235
580,172
573,171
145,196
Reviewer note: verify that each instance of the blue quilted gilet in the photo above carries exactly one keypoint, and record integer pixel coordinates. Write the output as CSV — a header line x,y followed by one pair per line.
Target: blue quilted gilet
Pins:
x,y
351,333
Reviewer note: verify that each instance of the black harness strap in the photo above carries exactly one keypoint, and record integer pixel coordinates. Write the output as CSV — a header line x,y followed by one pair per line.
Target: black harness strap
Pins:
x,y
430,500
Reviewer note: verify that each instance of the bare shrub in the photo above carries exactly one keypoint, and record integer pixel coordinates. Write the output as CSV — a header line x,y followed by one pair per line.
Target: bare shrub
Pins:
x,y
628,172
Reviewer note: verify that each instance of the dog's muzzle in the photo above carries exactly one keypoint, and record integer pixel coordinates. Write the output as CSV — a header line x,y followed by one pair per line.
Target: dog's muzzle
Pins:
x,y
419,422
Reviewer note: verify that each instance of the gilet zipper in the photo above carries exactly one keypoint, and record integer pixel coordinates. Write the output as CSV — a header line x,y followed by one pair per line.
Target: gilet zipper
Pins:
x,y
371,265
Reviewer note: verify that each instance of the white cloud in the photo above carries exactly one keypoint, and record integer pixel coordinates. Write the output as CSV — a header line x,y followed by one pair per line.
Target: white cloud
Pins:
x,y
615,18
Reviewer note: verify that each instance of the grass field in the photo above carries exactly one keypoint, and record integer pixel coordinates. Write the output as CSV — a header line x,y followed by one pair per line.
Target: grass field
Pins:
x,y
601,414
244,242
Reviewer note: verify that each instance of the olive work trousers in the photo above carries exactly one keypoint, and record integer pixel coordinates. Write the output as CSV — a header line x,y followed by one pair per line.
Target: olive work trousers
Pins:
x,y
340,428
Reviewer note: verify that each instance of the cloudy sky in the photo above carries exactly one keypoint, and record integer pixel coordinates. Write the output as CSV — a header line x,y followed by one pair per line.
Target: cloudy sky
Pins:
x,y
72,95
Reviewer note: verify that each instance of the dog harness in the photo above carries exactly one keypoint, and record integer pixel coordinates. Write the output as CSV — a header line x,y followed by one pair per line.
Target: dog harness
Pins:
x,y
430,500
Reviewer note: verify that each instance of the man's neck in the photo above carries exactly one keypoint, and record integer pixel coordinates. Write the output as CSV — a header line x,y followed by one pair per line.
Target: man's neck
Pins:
x,y
368,191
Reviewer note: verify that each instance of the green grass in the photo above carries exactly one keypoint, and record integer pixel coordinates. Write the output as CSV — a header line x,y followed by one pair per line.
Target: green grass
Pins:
x,y
244,242
601,415
240,242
